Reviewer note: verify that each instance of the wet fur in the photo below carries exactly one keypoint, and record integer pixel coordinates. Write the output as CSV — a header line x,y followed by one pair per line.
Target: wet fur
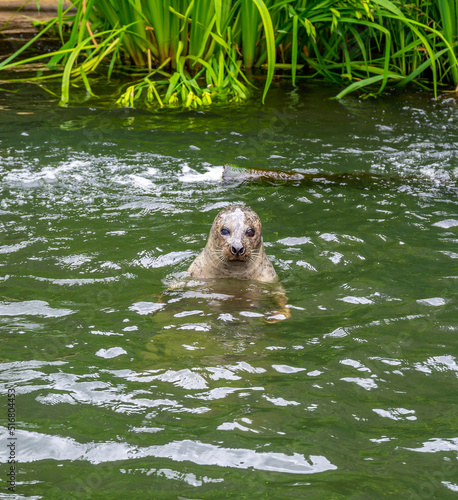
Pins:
x,y
217,261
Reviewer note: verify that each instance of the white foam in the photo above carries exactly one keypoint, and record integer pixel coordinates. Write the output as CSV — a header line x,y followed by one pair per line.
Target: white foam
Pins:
x,y
187,379
435,445
226,317
46,174
184,314
16,246
53,447
74,261
196,327
213,174
433,301
293,241
365,383
113,352
306,265
230,426
281,401
350,299
251,314
32,308
329,237
145,307
135,181
396,413
447,223
334,257
287,369
142,182
438,363
148,261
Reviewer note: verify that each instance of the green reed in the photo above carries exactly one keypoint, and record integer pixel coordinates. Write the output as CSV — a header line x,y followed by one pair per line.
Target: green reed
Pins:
x,y
195,52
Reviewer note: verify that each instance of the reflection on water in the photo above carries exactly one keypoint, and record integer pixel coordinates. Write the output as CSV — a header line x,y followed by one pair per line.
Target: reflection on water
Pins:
x,y
130,381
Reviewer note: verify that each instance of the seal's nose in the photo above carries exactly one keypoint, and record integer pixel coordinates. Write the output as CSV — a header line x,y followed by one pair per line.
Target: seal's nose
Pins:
x,y
237,249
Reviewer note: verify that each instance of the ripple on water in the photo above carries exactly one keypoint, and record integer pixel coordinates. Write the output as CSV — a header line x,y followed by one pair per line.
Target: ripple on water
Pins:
x,y
112,352
32,308
38,447
148,260
447,223
363,369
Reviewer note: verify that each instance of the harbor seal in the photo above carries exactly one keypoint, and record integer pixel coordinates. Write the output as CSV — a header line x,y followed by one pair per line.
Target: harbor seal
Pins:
x,y
234,248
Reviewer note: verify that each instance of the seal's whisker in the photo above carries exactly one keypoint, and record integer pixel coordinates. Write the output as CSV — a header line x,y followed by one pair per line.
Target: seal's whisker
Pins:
x,y
253,256
220,256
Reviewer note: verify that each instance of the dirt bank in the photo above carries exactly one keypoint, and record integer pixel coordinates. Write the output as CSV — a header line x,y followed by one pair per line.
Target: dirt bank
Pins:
x,y
17,16
31,5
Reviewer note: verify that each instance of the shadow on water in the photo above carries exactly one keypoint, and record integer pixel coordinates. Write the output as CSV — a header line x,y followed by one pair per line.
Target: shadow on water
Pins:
x,y
216,319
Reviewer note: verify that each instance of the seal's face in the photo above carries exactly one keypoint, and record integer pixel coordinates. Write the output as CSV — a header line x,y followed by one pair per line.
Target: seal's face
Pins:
x,y
236,235
234,248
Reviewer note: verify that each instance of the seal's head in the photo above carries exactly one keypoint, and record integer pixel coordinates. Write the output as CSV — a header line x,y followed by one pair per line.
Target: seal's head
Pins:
x,y
234,248
236,234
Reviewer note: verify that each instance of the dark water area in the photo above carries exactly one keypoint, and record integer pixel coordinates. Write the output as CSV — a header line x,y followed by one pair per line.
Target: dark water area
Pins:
x,y
121,384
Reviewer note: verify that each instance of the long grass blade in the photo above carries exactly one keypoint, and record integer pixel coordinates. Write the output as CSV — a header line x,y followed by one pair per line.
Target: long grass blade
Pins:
x,y
270,43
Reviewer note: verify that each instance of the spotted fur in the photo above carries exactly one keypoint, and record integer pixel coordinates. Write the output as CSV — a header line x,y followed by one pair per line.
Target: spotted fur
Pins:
x,y
247,260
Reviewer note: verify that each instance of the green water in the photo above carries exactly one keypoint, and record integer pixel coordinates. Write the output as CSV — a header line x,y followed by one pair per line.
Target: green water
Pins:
x,y
126,387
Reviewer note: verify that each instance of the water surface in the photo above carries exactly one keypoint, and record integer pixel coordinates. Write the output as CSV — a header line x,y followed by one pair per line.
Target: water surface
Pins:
x,y
128,387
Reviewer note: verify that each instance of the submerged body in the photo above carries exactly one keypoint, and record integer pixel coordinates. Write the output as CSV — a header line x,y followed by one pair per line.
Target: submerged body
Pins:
x,y
234,248
358,180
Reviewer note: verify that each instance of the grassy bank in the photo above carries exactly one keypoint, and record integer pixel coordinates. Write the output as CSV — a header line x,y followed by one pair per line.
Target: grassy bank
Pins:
x,y
195,52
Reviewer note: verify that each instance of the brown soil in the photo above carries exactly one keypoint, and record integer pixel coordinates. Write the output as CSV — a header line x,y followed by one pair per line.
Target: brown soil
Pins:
x,y
17,16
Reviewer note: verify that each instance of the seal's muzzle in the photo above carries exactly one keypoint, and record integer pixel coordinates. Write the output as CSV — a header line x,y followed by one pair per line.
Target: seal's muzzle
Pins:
x,y
237,249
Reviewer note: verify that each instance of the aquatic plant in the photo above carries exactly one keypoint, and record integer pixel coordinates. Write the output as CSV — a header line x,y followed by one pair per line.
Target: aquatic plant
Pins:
x,y
193,52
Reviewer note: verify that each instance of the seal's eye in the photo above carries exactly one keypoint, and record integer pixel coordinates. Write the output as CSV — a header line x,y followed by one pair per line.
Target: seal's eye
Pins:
x,y
224,231
250,232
